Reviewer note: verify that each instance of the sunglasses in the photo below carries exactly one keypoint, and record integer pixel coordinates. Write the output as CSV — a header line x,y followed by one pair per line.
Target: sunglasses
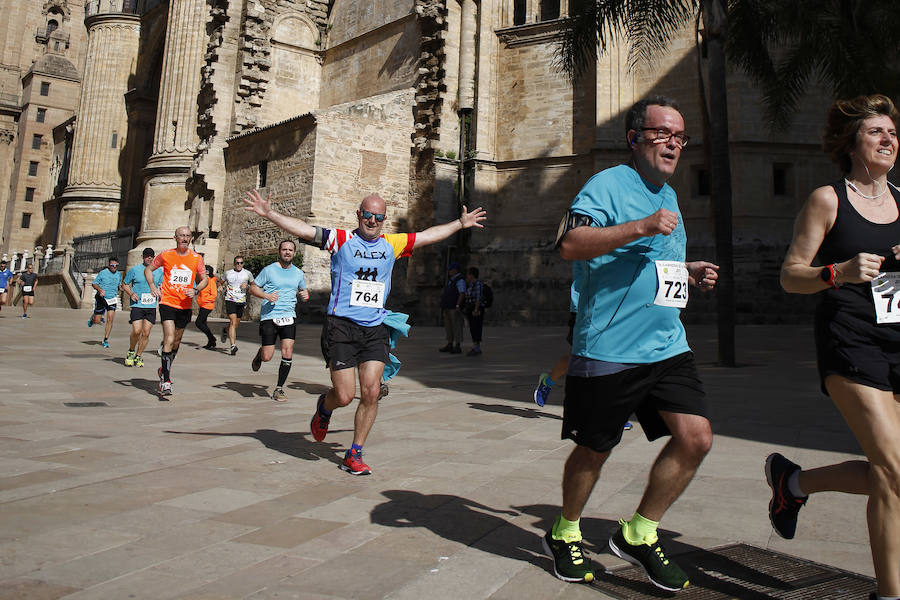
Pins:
x,y
113,266
238,262
368,215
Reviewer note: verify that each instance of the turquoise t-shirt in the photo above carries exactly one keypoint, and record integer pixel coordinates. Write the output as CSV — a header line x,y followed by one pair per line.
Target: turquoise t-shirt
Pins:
x,y
135,279
287,282
108,282
617,320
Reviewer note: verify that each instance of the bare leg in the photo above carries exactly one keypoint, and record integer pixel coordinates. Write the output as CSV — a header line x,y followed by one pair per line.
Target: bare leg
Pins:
x,y
560,368
135,335
233,321
579,477
677,462
369,385
168,335
110,315
343,389
146,326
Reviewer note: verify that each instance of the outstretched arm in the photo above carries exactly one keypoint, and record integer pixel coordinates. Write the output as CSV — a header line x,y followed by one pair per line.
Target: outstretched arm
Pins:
x,y
439,233
254,202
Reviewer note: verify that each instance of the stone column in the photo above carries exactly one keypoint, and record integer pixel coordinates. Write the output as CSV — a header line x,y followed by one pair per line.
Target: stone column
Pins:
x,y
175,137
90,202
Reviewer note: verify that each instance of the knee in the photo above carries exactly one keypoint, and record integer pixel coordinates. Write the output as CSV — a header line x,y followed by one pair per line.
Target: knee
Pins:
x,y
885,479
343,397
368,394
583,457
697,444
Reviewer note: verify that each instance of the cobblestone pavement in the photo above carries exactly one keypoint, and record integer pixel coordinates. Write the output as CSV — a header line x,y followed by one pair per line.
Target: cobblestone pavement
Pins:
x,y
222,493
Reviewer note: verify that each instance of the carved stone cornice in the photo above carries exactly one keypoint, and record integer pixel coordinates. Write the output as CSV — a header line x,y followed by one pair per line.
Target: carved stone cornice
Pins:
x,y
530,33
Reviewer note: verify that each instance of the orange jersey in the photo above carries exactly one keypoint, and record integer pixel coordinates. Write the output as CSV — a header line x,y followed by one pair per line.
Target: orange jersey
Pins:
x,y
178,276
207,296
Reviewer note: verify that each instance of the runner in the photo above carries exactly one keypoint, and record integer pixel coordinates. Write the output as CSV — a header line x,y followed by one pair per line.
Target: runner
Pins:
x,y
175,295
143,307
278,285
28,280
108,282
206,300
6,277
237,281
354,336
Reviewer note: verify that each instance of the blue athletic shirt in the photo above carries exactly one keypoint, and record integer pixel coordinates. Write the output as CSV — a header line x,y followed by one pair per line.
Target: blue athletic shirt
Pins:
x,y
5,276
275,278
354,258
617,320
135,279
108,282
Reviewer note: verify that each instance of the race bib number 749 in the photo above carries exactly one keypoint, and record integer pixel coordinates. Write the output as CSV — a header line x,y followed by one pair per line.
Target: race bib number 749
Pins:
x,y
672,277
886,295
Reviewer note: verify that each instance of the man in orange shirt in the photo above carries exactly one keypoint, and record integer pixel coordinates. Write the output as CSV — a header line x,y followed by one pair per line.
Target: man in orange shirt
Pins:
x,y
180,266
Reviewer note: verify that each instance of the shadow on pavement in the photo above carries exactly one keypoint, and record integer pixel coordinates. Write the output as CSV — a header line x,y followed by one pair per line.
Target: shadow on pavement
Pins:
x,y
247,390
151,386
294,444
505,409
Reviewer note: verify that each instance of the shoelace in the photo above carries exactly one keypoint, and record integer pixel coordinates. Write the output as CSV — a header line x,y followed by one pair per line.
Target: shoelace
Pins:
x,y
782,502
661,554
576,553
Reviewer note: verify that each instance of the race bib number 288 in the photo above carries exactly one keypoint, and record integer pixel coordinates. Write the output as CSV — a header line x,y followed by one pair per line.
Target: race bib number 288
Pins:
x,y
672,277
180,277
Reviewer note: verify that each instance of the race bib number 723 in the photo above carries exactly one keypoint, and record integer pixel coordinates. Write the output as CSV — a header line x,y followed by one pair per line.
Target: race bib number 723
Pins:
x,y
672,277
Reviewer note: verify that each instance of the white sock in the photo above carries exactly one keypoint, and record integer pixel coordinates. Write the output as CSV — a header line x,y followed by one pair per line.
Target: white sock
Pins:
x,y
794,485
888,597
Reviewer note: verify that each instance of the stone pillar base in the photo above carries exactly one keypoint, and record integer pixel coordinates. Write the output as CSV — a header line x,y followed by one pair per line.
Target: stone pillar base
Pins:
x,y
85,217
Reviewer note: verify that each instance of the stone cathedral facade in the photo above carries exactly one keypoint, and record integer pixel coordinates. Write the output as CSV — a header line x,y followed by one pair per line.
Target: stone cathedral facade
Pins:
x,y
159,113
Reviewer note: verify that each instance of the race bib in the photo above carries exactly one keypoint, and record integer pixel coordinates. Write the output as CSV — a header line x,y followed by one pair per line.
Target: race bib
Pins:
x,y
235,294
886,294
282,321
114,301
180,277
2,290
148,299
367,293
26,288
672,277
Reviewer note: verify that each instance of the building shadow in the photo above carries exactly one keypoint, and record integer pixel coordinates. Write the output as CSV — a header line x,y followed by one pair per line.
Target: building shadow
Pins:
x,y
295,444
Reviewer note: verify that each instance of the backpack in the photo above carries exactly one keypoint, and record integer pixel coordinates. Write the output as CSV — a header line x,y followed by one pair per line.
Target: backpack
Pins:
x,y
487,295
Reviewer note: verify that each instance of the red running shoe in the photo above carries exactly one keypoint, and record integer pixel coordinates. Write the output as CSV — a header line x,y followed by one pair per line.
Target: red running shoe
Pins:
x,y
319,423
354,465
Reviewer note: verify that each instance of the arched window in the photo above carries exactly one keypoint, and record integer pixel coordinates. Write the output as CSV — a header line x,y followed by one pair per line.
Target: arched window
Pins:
x,y
52,25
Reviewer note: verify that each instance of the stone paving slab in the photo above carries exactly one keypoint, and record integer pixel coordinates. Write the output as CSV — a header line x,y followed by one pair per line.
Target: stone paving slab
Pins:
x,y
223,494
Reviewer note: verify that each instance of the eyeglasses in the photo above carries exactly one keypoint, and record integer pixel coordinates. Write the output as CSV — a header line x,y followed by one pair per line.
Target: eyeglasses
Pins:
x,y
113,266
662,136
368,215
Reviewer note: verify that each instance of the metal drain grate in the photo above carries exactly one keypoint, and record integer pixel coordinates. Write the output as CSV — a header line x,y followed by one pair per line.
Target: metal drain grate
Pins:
x,y
742,572
84,404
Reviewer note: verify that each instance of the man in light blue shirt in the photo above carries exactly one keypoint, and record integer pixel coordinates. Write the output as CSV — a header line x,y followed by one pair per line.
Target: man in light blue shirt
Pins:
x,y
143,307
629,349
6,277
106,301
278,285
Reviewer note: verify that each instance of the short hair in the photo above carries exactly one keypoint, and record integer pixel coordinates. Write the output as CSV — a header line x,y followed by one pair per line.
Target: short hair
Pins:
x,y
237,257
473,271
842,123
148,252
637,114
292,242
113,258
209,271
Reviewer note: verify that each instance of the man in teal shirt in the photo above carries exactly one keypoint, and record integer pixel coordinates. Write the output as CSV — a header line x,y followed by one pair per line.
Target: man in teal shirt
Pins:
x,y
278,285
106,301
629,349
143,307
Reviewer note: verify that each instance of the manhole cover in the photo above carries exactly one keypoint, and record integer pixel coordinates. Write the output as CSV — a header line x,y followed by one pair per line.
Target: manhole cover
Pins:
x,y
84,404
742,572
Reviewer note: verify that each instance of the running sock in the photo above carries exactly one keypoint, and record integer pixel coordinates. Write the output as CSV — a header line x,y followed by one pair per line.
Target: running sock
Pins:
x,y
322,411
167,358
566,530
548,382
640,530
354,448
283,369
793,484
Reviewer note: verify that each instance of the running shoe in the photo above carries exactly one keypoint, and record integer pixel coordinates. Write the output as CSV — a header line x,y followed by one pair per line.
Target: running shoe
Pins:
x,y
784,506
233,350
256,363
129,358
165,388
570,563
662,572
628,426
456,350
210,345
91,320
105,344
138,361
224,337
318,426
383,391
353,463
542,391
24,316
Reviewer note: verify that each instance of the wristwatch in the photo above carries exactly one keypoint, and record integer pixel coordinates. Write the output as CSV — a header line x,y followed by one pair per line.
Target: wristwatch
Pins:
x,y
827,275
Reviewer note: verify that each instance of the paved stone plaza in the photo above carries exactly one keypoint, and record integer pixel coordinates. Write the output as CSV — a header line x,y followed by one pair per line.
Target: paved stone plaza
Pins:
x,y
223,494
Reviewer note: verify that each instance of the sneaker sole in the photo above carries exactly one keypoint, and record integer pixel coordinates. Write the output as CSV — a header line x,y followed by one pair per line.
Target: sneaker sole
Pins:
x,y
628,558
344,467
549,552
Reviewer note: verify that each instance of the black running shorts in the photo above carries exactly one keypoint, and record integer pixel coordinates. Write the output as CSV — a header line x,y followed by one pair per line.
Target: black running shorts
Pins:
x,y
181,316
270,332
142,314
595,409
346,344
235,308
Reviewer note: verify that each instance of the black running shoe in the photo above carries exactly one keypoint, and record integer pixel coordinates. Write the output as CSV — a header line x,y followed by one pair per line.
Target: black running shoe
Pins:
x,y
662,572
570,563
224,337
784,506
256,363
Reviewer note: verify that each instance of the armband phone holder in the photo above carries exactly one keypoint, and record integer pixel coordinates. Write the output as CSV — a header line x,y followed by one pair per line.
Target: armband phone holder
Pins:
x,y
570,221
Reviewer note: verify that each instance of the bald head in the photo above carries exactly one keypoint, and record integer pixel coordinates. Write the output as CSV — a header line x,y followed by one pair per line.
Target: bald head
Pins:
x,y
182,239
371,216
373,203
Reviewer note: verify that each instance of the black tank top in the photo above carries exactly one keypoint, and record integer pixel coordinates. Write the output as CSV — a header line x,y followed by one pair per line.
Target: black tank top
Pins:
x,y
851,234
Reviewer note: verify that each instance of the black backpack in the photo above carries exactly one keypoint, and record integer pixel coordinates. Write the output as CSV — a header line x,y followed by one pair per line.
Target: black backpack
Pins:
x,y
487,295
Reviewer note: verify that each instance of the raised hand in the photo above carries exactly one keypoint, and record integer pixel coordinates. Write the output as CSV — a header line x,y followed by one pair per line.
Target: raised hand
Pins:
x,y
472,219
254,202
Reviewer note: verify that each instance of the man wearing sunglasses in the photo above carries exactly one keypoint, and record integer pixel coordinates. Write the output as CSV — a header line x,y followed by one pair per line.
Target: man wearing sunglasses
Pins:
x,y
106,301
237,282
354,337
625,234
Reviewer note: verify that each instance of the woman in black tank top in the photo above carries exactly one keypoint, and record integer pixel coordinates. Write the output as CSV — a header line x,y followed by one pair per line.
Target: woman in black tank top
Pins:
x,y
845,248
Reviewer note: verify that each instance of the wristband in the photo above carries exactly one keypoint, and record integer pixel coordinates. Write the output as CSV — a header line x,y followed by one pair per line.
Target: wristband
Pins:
x,y
827,274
